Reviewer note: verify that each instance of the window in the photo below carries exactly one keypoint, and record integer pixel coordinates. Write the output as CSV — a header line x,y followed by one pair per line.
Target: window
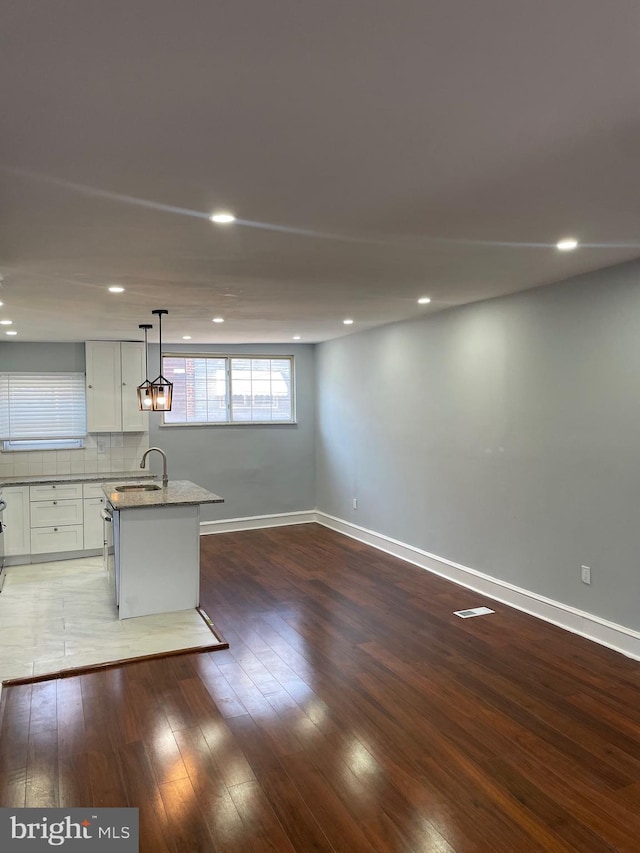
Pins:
x,y
42,411
223,389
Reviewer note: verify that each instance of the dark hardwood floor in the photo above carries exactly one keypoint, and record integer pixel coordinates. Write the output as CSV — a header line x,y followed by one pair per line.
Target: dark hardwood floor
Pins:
x,y
352,712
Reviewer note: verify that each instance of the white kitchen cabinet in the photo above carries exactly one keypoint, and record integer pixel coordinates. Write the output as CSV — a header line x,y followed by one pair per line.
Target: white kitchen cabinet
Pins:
x,y
93,532
114,369
94,502
49,540
52,519
56,518
133,374
17,539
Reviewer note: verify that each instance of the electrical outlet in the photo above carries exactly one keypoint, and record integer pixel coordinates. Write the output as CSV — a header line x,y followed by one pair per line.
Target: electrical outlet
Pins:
x,y
585,574
102,445
355,503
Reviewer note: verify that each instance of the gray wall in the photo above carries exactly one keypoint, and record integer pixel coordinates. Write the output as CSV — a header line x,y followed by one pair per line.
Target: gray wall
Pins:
x,y
503,435
258,470
44,357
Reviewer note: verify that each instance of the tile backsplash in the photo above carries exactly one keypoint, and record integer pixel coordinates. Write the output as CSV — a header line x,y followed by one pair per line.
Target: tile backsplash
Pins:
x,y
102,452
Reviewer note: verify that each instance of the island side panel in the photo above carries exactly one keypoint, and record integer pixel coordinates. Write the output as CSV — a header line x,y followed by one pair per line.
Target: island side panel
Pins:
x,y
159,560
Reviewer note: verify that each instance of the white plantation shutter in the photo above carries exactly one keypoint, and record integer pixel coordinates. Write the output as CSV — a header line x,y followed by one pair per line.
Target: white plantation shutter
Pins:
x,y
42,406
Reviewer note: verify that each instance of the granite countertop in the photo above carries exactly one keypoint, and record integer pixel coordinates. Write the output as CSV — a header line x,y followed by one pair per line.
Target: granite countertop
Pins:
x,y
177,492
97,477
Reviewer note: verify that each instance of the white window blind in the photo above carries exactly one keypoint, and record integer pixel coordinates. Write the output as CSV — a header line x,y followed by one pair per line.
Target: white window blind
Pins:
x,y
224,389
42,406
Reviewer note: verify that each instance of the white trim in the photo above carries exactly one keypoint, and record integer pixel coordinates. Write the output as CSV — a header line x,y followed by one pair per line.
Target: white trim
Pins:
x,y
255,522
614,636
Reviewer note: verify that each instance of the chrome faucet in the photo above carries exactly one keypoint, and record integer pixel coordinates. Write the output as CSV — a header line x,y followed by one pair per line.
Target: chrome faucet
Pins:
x,y
165,478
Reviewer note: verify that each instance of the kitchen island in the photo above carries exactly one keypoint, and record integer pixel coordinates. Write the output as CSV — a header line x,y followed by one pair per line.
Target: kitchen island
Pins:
x,y
156,545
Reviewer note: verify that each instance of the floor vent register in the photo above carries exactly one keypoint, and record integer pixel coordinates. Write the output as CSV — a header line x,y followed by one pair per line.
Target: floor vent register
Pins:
x,y
475,611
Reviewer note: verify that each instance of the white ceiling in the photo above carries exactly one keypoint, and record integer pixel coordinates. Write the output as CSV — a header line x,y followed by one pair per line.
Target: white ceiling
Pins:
x,y
374,152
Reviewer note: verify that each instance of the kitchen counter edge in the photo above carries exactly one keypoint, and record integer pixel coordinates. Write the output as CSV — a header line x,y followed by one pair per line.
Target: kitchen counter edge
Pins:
x,y
97,477
176,493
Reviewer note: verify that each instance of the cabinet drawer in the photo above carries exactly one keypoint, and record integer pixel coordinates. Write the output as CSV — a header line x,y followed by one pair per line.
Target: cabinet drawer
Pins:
x,y
97,503
55,491
92,490
54,513
48,540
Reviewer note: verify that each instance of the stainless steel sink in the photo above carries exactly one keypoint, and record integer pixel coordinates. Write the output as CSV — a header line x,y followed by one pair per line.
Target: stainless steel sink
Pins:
x,y
138,487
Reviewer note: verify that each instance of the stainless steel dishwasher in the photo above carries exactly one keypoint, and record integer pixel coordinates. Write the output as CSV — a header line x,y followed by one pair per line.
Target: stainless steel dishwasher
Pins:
x,y
110,520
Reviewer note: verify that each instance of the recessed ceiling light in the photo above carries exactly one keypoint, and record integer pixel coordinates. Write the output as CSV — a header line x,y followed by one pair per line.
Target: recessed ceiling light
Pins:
x,y
567,245
218,320
6,322
11,333
1,303
222,218
424,300
347,322
186,337
116,289
296,337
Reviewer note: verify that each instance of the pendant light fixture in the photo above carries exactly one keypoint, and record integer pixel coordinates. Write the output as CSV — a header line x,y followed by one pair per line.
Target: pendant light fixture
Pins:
x,y
145,401
161,389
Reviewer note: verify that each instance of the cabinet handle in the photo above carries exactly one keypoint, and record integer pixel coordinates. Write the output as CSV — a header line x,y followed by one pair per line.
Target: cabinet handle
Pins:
x,y
55,529
55,503
89,386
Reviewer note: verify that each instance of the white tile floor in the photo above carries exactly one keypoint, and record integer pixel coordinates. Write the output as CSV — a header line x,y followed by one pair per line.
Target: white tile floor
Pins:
x,y
60,615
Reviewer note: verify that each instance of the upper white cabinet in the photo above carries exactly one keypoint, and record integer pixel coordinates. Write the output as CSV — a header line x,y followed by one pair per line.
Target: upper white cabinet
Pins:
x,y
132,373
114,370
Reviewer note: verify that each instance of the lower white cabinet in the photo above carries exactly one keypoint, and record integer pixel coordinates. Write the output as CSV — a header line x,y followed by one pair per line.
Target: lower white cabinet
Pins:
x,y
56,518
93,504
17,534
53,517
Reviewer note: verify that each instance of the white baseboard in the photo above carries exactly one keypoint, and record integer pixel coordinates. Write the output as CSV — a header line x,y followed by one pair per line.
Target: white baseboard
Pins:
x,y
232,525
614,636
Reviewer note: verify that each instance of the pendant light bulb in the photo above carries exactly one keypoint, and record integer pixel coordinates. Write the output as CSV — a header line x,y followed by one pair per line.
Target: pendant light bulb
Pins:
x,y
161,388
144,389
